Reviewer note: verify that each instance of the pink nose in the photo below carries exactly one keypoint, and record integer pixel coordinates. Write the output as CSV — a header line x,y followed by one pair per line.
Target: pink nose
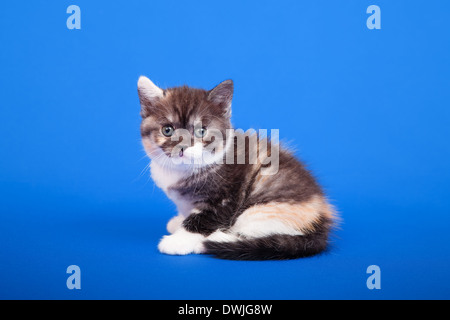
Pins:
x,y
182,149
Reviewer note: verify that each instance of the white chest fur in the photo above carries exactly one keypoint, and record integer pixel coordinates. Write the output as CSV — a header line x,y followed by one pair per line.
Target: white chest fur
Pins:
x,y
165,178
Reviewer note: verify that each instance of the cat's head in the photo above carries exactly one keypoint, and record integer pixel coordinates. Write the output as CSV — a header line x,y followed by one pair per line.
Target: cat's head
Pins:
x,y
183,126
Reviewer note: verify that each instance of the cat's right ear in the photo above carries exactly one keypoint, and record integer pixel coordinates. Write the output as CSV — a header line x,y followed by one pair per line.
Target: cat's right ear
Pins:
x,y
149,94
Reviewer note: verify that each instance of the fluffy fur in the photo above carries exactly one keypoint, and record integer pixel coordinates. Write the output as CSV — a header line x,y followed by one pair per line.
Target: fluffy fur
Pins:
x,y
230,210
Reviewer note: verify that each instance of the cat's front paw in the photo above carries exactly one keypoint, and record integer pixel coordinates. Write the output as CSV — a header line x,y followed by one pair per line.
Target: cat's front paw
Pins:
x,y
182,242
175,223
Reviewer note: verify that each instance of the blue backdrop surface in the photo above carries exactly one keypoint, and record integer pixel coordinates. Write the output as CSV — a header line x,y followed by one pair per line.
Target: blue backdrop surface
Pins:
x,y
367,110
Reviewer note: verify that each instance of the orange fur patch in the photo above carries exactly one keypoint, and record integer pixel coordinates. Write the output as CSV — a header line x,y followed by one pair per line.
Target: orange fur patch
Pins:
x,y
300,216
149,147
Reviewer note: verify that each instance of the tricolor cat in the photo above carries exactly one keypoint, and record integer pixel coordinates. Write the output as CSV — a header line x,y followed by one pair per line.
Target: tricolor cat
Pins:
x,y
230,203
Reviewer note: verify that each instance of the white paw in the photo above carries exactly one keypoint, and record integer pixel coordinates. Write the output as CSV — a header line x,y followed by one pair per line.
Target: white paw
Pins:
x,y
175,223
182,242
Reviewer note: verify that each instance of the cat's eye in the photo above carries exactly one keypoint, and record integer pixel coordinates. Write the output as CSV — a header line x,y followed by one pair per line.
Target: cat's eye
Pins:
x,y
167,131
200,132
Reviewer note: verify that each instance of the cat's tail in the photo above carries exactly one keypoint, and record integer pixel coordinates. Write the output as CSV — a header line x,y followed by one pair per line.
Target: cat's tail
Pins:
x,y
272,247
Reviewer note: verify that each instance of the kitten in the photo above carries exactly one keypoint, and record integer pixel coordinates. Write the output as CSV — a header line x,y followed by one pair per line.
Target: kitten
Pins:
x,y
227,207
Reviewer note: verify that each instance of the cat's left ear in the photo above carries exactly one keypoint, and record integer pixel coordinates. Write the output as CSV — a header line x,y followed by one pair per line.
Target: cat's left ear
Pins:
x,y
222,95
149,94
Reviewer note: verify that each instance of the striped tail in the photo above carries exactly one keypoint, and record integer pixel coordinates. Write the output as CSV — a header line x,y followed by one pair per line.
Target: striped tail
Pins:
x,y
273,247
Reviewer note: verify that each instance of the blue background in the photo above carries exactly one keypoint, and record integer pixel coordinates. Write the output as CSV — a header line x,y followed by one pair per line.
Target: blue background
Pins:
x,y
368,110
